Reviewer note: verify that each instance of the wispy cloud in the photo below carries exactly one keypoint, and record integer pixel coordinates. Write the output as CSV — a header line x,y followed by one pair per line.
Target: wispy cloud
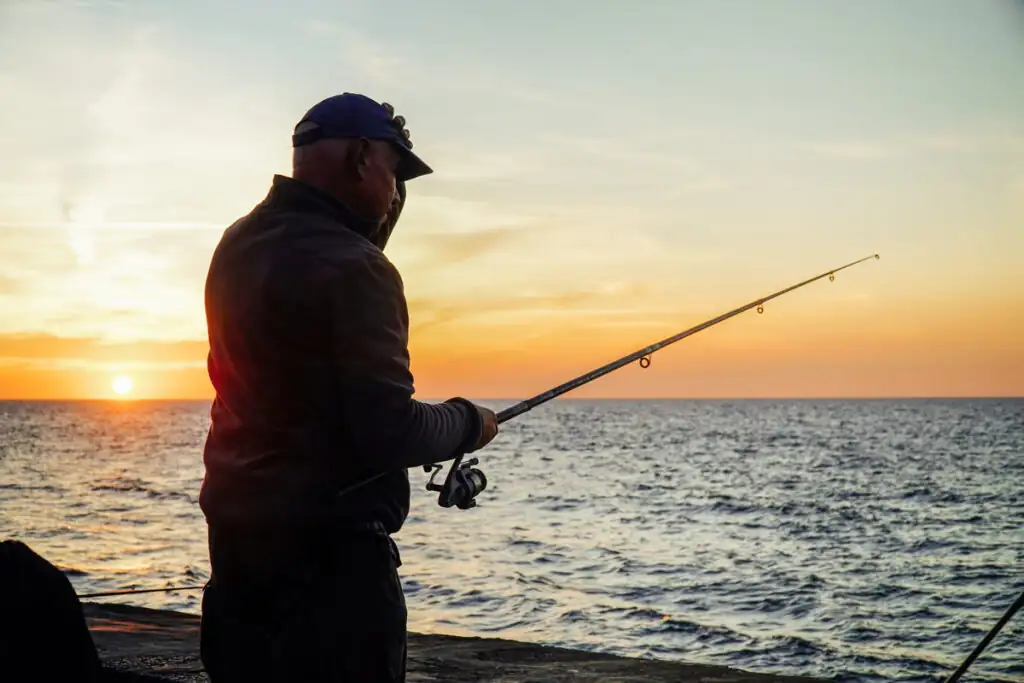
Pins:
x,y
9,285
463,164
975,142
107,283
1016,193
855,150
137,126
119,365
445,249
63,4
106,225
606,303
651,160
442,213
628,149
393,65
381,64
970,142
22,347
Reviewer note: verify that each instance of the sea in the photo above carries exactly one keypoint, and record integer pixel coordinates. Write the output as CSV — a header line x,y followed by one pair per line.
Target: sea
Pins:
x,y
855,540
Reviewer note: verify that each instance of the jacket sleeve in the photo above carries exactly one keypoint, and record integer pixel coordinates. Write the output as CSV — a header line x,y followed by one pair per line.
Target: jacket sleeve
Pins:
x,y
370,334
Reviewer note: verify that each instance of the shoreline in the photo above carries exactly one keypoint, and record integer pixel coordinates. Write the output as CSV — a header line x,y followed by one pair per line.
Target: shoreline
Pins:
x,y
165,644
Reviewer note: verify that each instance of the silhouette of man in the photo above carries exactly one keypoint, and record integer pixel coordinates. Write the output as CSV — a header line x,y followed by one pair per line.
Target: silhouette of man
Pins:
x,y
308,332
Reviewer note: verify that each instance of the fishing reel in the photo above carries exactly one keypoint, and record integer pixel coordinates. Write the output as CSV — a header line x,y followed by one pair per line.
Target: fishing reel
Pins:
x,y
462,485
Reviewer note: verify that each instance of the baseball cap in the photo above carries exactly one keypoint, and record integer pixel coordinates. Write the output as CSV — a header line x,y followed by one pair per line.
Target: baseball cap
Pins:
x,y
351,115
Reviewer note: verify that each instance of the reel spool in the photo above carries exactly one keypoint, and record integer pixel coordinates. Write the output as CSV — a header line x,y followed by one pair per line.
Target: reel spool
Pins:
x,y
462,485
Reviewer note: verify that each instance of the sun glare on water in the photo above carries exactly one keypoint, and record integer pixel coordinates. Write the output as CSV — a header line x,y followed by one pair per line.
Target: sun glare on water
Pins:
x,y
122,385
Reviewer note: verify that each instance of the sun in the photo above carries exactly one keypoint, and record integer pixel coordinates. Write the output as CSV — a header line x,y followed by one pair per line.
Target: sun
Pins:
x,y
122,385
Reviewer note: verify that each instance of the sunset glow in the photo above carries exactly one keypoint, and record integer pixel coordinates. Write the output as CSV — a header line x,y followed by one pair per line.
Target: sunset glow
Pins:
x,y
578,211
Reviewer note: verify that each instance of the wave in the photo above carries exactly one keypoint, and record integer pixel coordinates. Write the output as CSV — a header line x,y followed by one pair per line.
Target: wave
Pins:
x,y
138,486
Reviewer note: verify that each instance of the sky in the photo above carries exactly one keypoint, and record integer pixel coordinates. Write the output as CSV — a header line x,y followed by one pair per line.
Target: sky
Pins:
x,y
606,174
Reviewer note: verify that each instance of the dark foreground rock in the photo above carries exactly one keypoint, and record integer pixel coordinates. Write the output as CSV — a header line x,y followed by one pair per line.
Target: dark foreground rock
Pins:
x,y
166,644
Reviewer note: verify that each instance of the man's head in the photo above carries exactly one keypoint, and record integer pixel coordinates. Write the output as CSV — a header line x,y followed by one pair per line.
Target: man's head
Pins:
x,y
356,149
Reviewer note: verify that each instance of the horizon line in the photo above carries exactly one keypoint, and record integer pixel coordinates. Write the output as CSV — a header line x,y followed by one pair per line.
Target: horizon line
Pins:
x,y
961,397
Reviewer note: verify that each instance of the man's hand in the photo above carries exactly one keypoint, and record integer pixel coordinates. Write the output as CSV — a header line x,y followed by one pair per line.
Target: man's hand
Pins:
x,y
490,427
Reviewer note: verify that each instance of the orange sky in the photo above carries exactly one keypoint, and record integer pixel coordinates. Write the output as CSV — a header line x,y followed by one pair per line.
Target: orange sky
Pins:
x,y
854,349
595,193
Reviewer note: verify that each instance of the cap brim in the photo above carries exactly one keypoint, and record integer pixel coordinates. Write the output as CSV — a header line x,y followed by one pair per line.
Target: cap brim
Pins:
x,y
411,166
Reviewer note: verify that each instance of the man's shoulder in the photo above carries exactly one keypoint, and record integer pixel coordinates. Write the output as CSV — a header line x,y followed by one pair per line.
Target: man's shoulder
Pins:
x,y
332,255
336,249
312,238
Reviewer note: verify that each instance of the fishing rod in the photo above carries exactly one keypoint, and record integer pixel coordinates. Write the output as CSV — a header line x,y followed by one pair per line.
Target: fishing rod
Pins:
x,y
464,483
644,354
960,670
133,591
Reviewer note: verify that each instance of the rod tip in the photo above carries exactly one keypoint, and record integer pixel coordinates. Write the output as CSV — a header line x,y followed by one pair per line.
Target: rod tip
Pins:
x,y
877,256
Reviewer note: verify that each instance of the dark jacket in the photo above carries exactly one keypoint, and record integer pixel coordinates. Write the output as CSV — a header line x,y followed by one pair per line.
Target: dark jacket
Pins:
x,y
308,331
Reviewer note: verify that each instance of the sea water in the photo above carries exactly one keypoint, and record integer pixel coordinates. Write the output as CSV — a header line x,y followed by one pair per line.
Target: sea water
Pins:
x,y
869,540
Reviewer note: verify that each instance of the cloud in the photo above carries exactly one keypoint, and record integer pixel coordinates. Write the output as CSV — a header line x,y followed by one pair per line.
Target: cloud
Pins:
x,y
63,4
465,164
656,163
855,150
964,142
394,66
9,285
383,65
113,114
442,311
618,150
63,365
976,142
115,225
1016,193
607,303
488,81
104,282
37,347
441,213
445,249
611,305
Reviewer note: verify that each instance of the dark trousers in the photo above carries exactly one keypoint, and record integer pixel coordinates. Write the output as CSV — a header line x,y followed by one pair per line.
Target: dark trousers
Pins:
x,y
325,606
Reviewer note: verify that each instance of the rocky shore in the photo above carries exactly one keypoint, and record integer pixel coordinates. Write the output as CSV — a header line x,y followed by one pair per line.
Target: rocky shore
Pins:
x,y
166,645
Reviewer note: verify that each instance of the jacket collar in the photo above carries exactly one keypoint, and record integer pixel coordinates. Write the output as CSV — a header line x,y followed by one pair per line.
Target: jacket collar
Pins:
x,y
296,195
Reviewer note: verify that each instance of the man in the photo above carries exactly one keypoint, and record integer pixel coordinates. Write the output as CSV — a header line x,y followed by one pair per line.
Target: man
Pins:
x,y
308,332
